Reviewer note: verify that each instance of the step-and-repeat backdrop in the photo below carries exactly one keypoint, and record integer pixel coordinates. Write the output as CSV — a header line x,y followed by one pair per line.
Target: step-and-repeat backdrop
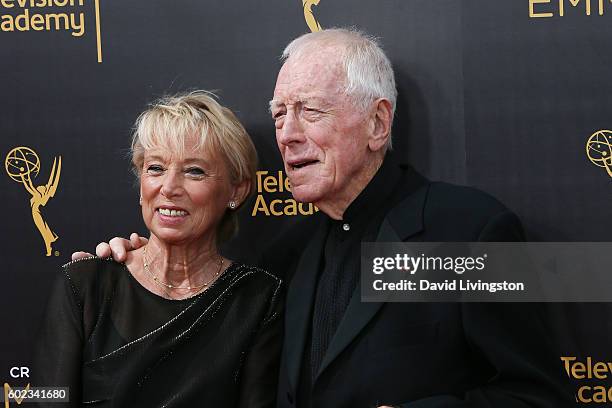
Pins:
x,y
514,97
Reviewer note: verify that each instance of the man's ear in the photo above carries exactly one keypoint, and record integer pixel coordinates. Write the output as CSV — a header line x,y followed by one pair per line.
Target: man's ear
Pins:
x,y
381,127
240,192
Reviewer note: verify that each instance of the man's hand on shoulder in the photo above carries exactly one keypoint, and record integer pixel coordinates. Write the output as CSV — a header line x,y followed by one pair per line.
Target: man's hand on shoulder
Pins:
x,y
117,248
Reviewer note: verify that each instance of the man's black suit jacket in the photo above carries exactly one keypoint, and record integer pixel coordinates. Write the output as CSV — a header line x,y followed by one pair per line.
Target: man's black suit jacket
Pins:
x,y
420,355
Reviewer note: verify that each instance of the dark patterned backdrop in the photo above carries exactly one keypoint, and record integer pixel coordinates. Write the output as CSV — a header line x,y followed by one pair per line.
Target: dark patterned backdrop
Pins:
x,y
502,95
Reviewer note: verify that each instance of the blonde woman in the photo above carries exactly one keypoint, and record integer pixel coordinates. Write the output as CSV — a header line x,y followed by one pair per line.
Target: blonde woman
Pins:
x,y
177,324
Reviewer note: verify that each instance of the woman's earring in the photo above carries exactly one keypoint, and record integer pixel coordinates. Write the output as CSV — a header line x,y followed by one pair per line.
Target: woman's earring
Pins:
x,y
232,205
140,200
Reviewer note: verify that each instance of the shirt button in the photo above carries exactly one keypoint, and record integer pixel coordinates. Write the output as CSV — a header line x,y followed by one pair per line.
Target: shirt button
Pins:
x,y
346,227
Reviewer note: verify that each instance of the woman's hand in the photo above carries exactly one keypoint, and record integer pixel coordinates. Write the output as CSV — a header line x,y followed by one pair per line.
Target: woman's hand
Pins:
x,y
117,248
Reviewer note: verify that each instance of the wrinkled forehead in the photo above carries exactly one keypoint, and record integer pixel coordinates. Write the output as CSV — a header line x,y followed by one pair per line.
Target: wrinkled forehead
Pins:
x,y
321,75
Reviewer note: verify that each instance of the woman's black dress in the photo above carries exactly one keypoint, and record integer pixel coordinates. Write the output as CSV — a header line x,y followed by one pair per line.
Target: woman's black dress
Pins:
x,y
114,343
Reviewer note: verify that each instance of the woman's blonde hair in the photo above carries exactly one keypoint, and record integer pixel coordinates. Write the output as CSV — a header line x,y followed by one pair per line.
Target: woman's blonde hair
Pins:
x,y
173,120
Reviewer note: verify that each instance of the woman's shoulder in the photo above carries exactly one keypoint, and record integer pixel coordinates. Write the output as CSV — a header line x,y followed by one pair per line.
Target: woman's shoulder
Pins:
x,y
92,274
89,268
256,281
240,271
256,288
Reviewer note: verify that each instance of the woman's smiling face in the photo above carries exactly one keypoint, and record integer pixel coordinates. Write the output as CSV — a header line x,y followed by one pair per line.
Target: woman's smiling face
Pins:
x,y
184,197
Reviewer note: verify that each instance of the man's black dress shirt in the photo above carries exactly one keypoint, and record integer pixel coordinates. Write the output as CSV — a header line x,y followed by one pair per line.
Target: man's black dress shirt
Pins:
x,y
340,265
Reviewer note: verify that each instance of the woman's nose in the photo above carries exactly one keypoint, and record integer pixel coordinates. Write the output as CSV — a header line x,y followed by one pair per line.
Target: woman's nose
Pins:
x,y
172,184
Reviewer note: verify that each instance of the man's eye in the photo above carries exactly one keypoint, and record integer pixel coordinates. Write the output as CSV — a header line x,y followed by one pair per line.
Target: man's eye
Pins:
x,y
154,169
278,115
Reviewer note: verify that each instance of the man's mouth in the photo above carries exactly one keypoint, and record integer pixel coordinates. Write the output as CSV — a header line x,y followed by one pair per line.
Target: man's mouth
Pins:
x,y
301,164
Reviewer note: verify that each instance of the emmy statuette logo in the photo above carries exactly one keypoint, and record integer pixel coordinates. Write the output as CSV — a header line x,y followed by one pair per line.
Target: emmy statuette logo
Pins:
x,y
599,150
8,390
309,16
22,164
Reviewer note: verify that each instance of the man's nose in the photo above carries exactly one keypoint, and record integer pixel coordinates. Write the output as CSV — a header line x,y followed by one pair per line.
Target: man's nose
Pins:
x,y
172,184
292,130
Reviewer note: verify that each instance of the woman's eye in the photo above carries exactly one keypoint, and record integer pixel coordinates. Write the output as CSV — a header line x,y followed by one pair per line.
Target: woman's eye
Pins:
x,y
196,171
154,169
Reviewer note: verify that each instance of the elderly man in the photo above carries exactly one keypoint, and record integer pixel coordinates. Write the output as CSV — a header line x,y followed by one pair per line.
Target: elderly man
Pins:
x,y
333,108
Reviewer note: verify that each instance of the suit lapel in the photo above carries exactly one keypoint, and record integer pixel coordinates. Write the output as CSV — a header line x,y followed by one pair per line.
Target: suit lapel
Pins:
x,y
300,299
402,222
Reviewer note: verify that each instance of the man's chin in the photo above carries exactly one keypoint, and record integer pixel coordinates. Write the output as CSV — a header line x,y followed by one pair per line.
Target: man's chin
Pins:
x,y
304,194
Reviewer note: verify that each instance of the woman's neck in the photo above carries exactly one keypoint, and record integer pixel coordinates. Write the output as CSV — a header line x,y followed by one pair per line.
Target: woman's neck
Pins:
x,y
186,265
173,271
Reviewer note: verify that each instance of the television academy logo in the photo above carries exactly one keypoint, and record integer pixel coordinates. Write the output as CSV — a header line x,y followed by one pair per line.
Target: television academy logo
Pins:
x,y
22,164
272,200
553,8
599,150
69,16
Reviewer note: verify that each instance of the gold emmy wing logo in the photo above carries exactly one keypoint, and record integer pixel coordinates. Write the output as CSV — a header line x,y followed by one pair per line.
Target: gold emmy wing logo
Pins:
x,y
310,18
599,149
22,164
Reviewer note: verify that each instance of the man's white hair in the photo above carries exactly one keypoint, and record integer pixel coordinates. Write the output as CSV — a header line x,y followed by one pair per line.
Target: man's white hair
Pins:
x,y
369,74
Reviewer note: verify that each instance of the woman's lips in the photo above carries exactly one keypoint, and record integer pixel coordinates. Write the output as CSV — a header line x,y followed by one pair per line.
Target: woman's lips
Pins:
x,y
171,216
172,213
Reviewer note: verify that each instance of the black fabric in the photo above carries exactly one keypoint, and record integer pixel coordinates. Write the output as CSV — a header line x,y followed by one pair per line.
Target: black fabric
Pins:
x,y
429,355
340,269
114,343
